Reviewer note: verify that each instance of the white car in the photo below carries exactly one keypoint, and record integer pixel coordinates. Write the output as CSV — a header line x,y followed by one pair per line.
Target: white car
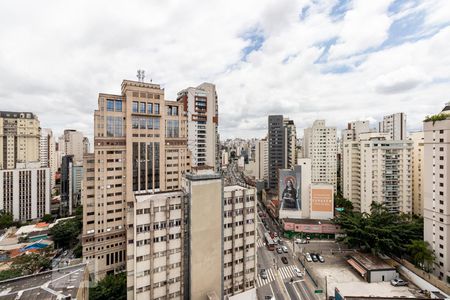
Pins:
x,y
308,257
298,272
285,249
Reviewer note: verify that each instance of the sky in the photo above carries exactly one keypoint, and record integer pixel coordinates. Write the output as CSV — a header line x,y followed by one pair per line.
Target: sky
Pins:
x,y
335,60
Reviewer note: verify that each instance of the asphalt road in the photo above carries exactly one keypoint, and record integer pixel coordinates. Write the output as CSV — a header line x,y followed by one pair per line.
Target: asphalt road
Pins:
x,y
280,275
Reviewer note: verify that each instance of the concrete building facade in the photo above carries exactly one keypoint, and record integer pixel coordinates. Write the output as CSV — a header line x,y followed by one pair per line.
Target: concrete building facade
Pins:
x,y
73,144
377,169
47,153
19,138
25,191
436,178
394,125
200,105
417,171
320,145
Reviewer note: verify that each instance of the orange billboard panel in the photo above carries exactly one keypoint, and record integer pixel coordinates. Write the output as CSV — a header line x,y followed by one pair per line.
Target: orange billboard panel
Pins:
x,y
322,200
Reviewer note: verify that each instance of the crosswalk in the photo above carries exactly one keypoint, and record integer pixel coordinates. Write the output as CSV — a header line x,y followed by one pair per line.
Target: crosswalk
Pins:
x,y
286,272
260,243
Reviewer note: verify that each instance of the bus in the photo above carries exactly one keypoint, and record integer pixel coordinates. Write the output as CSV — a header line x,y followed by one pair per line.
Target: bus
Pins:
x,y
269,242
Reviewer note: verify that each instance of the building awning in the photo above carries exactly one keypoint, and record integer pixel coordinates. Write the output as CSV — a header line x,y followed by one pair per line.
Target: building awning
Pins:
x,y
357,267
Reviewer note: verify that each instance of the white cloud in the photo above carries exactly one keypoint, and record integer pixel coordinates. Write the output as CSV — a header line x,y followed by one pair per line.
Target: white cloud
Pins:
x,y
56,57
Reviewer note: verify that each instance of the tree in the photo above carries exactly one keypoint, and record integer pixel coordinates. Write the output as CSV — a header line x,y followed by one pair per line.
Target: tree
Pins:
x,y
380,231
9,273
110,287
30,263
47,218
65,234
341,202
78,251
421,254
6,219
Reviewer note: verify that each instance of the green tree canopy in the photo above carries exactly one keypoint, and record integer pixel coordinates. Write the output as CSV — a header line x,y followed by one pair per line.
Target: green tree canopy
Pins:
x,y
65,234
421,254
110,287
6,219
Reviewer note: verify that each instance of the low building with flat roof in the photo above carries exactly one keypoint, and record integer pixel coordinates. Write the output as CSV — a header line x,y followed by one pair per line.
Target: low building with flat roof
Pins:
x,y
371,267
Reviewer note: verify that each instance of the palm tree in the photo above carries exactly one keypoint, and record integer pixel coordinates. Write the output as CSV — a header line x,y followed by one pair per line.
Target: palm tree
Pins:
x,y
421,254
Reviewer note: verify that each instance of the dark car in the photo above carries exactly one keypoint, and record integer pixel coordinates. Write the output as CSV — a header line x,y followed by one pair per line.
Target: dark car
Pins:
x,y
284,260
279,250
314,257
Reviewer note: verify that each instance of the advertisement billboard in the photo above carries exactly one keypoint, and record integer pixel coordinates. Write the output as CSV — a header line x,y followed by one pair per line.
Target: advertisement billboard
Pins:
x,y
322,199
289,188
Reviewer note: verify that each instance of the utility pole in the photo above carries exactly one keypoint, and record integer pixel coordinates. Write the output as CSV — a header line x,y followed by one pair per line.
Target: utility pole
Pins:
x,y
326,287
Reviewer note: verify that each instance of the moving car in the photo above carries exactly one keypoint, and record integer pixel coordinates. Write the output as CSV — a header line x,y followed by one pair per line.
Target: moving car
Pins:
x,y
321,259
314,257
398,282
308,257
284,260
298,272
263,274
279,250
285,249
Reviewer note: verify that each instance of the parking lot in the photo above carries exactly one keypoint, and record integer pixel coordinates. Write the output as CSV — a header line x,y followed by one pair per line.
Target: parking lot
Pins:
x,y
338,273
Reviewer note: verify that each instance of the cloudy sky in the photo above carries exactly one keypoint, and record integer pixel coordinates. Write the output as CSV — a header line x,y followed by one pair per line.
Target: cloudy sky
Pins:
x,y
333,60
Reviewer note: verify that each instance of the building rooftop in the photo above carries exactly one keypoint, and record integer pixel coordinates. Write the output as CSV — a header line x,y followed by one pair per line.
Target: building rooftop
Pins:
x,y
370,262
54,284
16,114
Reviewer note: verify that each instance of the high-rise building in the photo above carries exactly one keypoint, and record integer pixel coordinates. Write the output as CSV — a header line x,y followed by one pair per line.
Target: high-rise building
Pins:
x,y
71,178
351,133
139,149
394,125
200,105
417,171
47,153
320,145
437,190
261,159
73,144
276,143
25,191
378,169
19,138
86,145
281,145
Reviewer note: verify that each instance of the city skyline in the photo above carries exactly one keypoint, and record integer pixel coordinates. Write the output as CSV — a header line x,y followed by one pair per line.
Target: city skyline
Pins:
x,y
335,61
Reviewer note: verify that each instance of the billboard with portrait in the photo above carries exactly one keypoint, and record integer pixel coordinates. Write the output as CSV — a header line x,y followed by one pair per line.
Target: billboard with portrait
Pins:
x,y
289,188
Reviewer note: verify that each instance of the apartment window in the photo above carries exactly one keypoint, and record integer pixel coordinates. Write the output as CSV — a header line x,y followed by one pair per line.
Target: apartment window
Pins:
x,y
156,110
135,106
142,108
118,105
150,108
110,105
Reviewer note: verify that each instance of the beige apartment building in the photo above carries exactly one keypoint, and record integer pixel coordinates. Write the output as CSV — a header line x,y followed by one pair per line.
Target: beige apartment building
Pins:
x,y
377,169
320,145
436,179
19,138
200,105
417,171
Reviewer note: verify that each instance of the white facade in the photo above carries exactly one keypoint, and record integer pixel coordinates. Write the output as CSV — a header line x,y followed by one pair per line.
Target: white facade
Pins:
x,y
436,178
320,145
47,153
201,106
376,169
354,129
239,240
25,191
73,144
417,175
262,159
394,125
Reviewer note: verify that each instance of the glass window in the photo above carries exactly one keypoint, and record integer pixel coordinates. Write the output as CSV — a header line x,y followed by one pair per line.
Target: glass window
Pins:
x,y
155,123
110,105
150,123
143,122
150,108
118,104
135,122
142,106
135,106
156,111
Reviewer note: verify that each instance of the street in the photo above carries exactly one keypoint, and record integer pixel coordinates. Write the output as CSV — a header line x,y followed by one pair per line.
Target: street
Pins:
x,y
279,275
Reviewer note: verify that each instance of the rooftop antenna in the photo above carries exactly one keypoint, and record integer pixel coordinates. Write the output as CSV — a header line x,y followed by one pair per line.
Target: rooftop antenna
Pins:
x,y
140,75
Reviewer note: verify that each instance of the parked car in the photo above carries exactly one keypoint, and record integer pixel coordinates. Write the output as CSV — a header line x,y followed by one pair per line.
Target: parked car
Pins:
x,y
285,249
284,260
298,272
314,257
263,274
398,282
279,250
308,257
275,234
300,241
321,259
